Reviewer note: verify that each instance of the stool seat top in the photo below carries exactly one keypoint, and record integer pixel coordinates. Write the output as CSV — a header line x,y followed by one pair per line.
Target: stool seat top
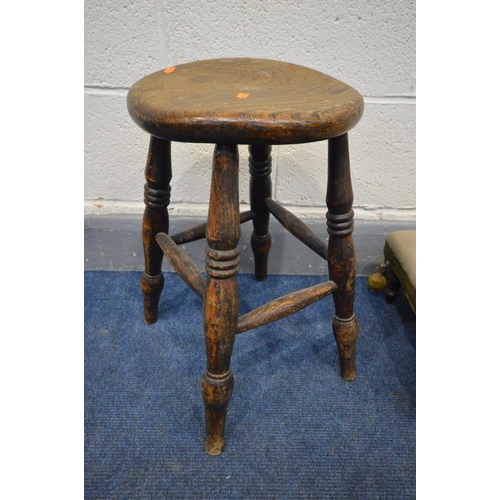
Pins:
x,y
243,101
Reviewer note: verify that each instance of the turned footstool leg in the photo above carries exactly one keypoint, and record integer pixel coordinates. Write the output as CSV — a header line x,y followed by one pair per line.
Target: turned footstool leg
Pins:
x,y
341,259
260,190
156,197
393,288
221,297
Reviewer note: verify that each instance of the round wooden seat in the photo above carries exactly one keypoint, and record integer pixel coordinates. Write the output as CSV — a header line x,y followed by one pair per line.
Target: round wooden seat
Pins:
x,y
243,101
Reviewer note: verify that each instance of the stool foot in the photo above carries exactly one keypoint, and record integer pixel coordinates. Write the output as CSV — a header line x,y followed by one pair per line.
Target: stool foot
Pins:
x,y
214,445
261,246
216,395
151,290
346,333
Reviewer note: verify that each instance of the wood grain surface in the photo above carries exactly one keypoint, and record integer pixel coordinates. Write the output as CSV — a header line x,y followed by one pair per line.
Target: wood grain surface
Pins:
x,y
182,264
284,306
243,101
298,228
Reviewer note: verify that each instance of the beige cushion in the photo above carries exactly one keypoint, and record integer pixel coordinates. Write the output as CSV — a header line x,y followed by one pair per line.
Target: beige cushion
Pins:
x,y
401,251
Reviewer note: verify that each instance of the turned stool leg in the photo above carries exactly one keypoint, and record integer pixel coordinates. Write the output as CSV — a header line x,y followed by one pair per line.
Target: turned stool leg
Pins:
x,y
341,259
221,297
260,190
155,220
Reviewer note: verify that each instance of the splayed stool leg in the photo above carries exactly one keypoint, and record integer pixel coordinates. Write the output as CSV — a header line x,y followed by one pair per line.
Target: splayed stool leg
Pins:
x,y
340,255
260,191
158,175
221,297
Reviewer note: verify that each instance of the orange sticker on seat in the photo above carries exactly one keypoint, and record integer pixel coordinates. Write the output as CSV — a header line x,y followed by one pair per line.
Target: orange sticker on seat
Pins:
x,y
242,95
169,70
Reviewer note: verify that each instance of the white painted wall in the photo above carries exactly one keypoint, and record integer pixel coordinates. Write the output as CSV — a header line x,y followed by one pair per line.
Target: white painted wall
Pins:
x,y
369,44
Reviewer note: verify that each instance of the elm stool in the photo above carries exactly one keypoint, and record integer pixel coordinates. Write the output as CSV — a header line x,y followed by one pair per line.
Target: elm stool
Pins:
x,y
259,103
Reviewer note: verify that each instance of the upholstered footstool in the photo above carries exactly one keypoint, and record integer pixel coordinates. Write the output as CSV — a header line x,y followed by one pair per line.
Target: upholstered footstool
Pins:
x,y
400,253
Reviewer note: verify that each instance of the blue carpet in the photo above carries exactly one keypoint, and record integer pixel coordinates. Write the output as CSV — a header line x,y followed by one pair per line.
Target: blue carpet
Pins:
x,y
295,429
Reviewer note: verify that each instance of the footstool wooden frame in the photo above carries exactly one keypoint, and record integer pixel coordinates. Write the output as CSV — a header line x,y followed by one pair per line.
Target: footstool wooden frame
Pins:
x,y
400,254
260,103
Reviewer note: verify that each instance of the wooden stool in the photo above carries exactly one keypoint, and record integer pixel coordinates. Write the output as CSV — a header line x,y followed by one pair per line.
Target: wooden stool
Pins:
x,y
259,103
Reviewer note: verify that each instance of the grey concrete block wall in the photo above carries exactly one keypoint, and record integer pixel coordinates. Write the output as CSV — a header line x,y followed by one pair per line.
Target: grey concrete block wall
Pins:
x,y
369,45
114,243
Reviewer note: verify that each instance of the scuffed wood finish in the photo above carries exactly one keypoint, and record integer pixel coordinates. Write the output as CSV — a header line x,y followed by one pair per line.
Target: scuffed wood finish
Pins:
x,y
284,306
341,258
260,189
158,175
221,298
198,232
285,103
182,264
296,227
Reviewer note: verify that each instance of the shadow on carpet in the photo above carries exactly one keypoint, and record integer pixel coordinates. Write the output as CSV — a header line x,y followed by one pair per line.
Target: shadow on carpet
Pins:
x,y
294,430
